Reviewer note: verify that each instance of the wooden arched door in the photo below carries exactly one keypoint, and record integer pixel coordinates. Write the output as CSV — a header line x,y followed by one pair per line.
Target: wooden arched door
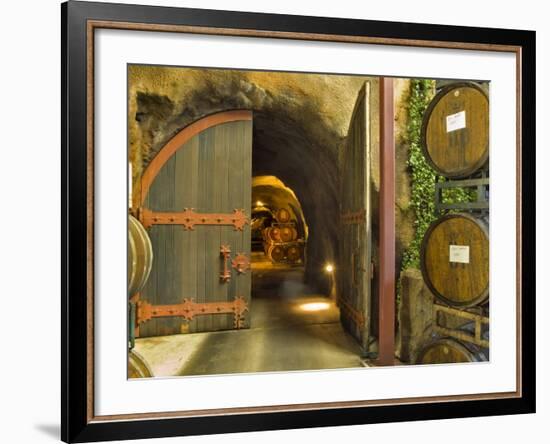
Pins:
x,y
195,204
355,291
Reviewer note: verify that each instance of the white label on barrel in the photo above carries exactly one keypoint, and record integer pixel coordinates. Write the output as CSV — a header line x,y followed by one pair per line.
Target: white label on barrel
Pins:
x,y
456,121
459,253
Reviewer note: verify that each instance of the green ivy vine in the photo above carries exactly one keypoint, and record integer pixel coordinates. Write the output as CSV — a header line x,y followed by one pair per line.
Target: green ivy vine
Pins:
x,y
423,176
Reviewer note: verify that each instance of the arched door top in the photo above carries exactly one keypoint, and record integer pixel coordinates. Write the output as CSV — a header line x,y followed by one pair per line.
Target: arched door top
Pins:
x,y
181,138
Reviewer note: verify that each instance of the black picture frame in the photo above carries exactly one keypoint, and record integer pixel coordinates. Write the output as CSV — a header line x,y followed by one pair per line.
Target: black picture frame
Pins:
x,y
77,424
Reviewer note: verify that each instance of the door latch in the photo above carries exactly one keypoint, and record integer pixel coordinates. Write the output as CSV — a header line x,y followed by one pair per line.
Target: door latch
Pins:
x,y
241,263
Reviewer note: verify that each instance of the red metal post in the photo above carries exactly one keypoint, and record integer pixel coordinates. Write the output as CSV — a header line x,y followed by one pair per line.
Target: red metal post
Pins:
x,y
386,294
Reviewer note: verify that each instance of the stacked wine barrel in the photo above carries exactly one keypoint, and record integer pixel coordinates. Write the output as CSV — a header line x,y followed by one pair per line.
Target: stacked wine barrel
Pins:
x,y
140,261
138,366
454,259
445,350
454,255
140,256
281,242
451,351
455,130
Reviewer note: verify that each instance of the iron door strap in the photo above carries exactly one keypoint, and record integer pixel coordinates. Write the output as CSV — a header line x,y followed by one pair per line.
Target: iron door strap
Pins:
x,y
189,309
188,218
354,217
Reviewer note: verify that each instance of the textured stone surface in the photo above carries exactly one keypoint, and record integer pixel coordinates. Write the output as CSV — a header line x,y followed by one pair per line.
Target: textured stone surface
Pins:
x,y
300,124
415,316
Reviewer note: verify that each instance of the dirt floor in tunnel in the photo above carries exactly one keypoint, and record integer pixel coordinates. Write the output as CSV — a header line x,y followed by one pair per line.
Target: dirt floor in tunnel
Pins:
x,y
292,328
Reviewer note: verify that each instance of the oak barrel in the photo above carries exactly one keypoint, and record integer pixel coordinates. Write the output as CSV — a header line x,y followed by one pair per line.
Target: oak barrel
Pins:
x,y
454,259
294,252
272,234
140,256
276,252
449,350
288,234
282,215
137,366
455,130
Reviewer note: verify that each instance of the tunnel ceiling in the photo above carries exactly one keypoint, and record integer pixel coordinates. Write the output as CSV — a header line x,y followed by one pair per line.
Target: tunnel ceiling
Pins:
x,y
298,107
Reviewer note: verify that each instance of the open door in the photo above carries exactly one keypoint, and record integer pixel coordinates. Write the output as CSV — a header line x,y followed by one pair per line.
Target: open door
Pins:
x,y
355,274
195,204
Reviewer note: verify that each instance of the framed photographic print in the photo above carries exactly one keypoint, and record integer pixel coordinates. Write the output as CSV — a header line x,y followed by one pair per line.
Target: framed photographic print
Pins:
x,y
276,221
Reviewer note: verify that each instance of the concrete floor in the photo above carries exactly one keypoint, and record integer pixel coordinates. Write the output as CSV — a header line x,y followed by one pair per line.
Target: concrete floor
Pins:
x,y
291,329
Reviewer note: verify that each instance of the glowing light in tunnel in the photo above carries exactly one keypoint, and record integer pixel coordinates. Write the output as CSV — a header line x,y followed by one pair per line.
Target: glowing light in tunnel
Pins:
x,y
329,268
315,306
259,203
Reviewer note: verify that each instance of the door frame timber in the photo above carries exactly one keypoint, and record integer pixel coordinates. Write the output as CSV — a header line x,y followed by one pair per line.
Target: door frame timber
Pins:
x,y
386,288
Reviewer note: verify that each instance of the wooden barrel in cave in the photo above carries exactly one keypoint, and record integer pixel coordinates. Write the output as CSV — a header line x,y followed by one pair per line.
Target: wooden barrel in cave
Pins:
x,y
294,252
449,351
455,130
288,234
140,256
137,366
282,215
272,234
454,259
276,252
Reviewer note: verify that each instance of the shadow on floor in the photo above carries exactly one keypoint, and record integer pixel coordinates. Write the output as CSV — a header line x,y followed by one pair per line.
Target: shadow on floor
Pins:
x,y
292,328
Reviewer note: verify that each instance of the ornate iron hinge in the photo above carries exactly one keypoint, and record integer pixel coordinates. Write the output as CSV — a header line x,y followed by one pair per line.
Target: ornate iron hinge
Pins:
x,y
188,309
188,218
241,263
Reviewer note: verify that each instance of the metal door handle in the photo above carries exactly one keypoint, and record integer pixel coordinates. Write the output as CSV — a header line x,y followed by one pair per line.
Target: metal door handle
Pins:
x,y
225,274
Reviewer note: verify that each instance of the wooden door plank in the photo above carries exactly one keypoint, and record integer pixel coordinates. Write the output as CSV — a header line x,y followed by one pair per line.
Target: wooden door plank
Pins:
x,y
245,139
222,202
202,206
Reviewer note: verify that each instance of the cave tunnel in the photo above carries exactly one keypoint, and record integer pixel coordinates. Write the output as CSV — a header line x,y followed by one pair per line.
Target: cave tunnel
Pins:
x,y
299,129
290,171
291,174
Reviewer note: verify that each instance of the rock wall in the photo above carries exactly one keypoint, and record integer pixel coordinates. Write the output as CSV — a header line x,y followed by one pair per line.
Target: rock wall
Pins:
x,y
300,124
415,316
